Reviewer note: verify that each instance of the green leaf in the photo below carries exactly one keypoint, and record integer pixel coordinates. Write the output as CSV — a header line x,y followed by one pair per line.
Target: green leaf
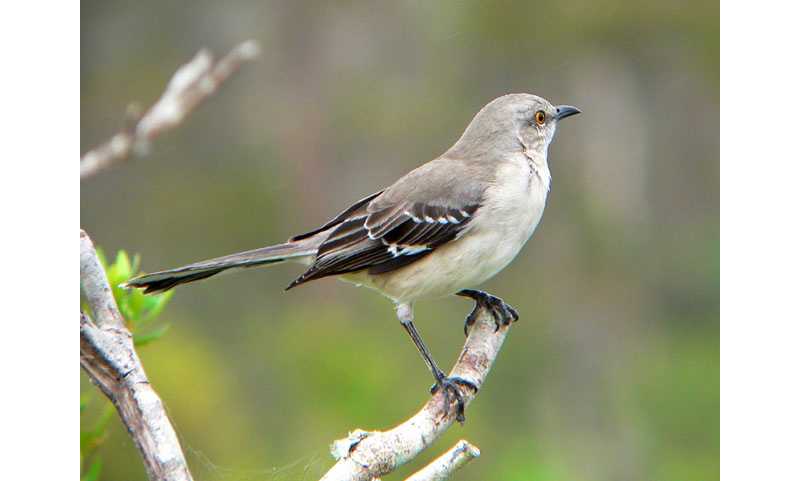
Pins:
x,y
102,257
142,339
159,301
137,309
94,471
123,264
90,438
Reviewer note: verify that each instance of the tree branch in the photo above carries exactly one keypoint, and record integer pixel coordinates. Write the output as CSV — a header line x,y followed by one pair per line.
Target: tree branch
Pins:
x,y
191,84
364,456
108,356
107,352
448,463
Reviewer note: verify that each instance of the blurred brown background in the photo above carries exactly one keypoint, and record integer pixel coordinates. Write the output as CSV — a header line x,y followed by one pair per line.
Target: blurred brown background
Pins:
x,y
612,372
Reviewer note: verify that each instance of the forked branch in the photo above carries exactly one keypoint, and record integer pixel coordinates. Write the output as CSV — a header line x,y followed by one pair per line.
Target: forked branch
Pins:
x,y
448,463
364,456
108,356
107,351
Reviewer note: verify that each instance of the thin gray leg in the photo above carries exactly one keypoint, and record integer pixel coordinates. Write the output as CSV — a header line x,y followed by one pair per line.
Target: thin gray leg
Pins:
x,y
449,386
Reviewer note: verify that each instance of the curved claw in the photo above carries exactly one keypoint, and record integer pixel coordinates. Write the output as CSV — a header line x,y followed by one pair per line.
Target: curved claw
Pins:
x,y
502,313
451,390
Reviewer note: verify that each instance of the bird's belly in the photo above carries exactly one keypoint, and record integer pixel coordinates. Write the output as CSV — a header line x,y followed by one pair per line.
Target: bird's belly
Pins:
x,y
496,237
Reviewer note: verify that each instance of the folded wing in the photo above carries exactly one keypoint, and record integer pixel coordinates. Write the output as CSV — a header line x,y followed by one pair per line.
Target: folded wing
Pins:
x,y
389,238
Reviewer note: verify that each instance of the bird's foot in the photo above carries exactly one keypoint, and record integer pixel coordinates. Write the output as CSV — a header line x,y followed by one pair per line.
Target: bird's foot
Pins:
x,y
502,313
451,390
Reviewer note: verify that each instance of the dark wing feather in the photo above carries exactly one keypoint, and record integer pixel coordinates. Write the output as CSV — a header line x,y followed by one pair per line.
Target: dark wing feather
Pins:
x,y
350,211
388,239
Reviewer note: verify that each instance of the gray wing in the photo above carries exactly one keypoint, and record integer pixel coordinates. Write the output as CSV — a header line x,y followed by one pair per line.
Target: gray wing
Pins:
x,y
429,207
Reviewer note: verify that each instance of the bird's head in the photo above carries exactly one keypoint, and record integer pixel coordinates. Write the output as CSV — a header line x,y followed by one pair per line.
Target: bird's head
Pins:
x,y
510,121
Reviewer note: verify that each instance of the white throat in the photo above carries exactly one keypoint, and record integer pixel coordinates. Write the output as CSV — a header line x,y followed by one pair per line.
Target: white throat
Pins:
x,y
538,163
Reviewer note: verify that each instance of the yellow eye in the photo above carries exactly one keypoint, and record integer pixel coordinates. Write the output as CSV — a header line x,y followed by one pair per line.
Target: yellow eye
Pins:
x,y
540,117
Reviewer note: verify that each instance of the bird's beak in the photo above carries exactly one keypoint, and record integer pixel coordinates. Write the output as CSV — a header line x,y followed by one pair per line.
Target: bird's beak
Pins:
x,y
565,111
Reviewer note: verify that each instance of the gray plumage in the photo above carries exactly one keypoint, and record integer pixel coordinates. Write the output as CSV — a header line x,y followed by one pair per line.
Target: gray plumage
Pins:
x,y
444,227
431,206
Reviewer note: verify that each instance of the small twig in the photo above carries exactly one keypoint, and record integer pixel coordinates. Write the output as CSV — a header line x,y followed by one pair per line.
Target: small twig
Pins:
x,y
108,356
193,83
367,455
445,465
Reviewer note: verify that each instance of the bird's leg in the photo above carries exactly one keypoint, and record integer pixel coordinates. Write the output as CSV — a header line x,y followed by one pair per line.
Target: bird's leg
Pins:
x,y
448,385
502,313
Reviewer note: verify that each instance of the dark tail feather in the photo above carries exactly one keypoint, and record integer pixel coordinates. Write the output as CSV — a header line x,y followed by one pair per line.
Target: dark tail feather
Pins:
x,y
166,280
167,283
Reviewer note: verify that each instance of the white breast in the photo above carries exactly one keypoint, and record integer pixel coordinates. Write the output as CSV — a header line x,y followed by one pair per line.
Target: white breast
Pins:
x,y
513,206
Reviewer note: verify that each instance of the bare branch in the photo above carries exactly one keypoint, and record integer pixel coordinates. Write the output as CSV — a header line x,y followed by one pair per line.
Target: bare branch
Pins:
x,y
108,356
364,455
448,463
193,83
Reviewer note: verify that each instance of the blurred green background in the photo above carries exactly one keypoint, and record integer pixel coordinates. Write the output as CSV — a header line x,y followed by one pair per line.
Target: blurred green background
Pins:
x,y
612,372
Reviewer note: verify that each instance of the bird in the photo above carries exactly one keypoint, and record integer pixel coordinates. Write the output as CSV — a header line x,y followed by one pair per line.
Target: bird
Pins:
x,y
442,229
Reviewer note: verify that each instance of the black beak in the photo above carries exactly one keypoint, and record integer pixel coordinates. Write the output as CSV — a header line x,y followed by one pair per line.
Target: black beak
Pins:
x,y
565,111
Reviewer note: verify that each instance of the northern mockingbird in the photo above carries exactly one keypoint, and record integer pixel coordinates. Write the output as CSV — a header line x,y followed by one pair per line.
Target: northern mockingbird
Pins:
x,y
441,229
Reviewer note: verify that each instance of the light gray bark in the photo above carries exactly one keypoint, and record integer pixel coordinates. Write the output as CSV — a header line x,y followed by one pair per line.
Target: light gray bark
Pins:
x,y
448,463
108,356
191,84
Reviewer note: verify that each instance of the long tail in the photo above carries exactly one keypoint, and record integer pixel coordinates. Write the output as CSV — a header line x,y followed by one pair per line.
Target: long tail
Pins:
x,y
166,280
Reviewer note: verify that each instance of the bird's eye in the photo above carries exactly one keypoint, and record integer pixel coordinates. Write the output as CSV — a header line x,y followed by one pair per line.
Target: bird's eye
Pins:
x,y
540,117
